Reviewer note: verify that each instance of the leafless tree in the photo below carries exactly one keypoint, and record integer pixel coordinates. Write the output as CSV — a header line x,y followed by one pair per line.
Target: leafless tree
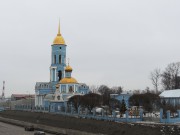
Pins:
x,y
155,78
136,91
170,77
94,88
117,90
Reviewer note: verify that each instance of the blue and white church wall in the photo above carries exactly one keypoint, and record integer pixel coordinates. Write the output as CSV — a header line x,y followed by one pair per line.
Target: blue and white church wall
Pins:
x,y
58,63
41,89
120,97
83,88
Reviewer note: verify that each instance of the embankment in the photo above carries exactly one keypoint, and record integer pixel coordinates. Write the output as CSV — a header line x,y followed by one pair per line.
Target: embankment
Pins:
x,y
72,126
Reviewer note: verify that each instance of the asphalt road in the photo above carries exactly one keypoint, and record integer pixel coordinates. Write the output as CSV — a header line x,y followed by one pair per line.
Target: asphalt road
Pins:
x,y
7,129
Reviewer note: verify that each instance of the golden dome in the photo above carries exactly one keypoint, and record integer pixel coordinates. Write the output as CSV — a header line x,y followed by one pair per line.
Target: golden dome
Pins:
x,y
68,80
59,39
57,85
68,68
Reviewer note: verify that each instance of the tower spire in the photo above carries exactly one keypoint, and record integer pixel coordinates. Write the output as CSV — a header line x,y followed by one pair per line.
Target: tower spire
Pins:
x,y
59,40
68,61
59,33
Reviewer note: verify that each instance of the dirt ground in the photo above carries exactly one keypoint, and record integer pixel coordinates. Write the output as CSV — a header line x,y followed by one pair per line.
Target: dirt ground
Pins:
x,y
93,126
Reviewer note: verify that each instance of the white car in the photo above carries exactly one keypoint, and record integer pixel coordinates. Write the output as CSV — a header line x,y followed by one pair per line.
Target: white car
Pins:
x,y
39,133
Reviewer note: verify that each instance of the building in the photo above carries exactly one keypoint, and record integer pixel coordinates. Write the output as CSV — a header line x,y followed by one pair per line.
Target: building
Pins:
x,y
171,97
61,85
123,96
15,97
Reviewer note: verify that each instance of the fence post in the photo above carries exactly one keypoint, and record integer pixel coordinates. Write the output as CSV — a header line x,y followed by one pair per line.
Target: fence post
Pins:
x,y
71,109
79,109
161,115
168,116
114,114
141,113
94,112
102,112
65,109
86,111
178,113
127,116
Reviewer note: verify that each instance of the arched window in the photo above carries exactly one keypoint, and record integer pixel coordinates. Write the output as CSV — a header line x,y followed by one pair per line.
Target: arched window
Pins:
x,y
60,75
59,59
54,59
71,89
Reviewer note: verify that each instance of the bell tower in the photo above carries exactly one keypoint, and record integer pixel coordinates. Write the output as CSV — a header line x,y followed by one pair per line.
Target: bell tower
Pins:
x,y
58,59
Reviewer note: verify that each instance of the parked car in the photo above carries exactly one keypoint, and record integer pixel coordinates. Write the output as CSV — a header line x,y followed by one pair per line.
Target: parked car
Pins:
x,y
29,128
39,133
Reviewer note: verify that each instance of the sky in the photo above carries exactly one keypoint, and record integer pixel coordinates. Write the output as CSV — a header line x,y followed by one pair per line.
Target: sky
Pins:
x,y
110,42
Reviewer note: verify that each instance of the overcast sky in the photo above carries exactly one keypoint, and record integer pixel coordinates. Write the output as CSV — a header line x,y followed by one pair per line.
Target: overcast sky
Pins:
x,y
111,42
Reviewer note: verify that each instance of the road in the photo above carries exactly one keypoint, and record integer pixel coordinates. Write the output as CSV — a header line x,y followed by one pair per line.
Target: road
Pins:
x,y
7,129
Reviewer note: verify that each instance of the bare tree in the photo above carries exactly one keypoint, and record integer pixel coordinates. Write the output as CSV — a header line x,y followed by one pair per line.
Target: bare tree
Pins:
x,y
117,90
155,78
136,91
170,77
91,100
94,88
105,91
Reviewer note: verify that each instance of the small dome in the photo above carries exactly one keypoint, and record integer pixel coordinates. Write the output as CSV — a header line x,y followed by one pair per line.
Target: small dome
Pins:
x,y
68,80
59,40
57,86
68,68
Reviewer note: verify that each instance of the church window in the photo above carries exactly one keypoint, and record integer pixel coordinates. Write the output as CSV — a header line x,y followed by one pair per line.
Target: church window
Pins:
x,y
63,89
54,59
71,89
59,59
60,75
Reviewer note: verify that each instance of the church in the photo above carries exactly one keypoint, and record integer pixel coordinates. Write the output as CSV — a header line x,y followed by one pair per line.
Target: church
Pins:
x,y
62,85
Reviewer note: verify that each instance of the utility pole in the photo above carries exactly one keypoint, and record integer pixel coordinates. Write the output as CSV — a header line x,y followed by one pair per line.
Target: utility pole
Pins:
x,y
3,95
